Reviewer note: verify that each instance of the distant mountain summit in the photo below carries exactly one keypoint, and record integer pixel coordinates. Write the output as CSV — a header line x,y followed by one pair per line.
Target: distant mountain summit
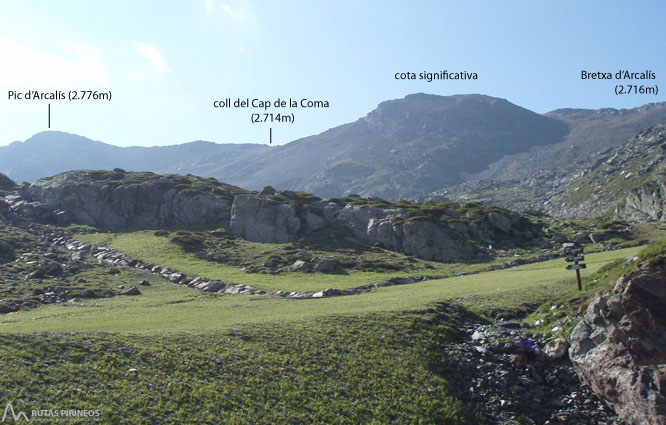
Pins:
x,y
405,148
52,152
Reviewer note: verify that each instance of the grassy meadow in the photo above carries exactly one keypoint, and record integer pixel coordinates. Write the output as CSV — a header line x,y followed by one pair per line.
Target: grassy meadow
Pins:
x,y
175,355
168,307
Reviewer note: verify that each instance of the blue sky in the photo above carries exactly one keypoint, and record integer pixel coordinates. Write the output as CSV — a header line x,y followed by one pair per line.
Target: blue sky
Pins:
x,y
166,62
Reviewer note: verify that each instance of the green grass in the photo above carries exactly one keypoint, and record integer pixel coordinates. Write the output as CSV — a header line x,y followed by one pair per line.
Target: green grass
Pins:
x,y
179,182
175,355
374,369
165,308
563,311
152,249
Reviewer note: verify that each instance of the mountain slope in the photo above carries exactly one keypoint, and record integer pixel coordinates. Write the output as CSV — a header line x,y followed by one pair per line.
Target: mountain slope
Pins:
x,y
458,147
406,147
627,180
590,132
52,152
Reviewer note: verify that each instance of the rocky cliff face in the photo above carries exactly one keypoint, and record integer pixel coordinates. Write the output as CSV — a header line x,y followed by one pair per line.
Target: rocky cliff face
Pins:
x,y
449,240
619,348
456,238
264,220
120,200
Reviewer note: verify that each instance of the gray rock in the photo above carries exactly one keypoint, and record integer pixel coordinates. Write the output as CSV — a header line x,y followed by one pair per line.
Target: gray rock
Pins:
x,y
326,265
555,350
268,190
6,183
7,249
125,206
175,277
619,348
582,237
478,335
314,222
132,290
212,286
236,289
263,220
646,202
302,265
396,280
35,274
500,221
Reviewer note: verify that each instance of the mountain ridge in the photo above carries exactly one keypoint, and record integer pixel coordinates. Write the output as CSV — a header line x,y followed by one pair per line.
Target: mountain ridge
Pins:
x,y
403,149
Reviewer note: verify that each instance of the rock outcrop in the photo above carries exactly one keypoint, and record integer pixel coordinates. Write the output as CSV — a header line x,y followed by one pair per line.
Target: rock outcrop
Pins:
x,y
447,240
6,183
646,202
117,200
263,220
619,348
79,197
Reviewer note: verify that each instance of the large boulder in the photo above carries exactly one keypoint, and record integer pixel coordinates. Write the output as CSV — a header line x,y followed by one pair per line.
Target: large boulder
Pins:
x,y
619,348
263,220
427,240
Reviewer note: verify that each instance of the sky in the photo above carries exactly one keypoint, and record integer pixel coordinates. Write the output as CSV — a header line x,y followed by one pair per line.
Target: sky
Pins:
x,y
165,63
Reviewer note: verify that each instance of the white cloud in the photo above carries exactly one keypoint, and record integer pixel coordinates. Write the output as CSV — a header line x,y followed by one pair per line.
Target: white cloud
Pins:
x,y
210,6
24,64
153,55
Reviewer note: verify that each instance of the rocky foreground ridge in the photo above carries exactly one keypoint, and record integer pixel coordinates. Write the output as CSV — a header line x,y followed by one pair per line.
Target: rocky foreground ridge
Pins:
x,y
122,200
619,348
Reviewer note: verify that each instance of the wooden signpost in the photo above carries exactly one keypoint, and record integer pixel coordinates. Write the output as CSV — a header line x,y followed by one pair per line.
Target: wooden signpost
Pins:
x,y
574,255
